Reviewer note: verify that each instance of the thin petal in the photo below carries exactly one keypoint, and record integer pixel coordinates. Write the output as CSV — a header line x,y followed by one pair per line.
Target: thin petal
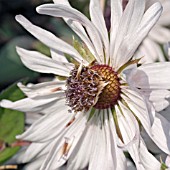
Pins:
x,y
58,155
33,151
49,39
158,98
130,133
53,123
97,19
151,76
43,64
42,89
147,159
58,56
80,156
160,130
116,13
160,34
30,105
138,106
103,149
35,165
59,10
118,157
78,29
133,9
126,50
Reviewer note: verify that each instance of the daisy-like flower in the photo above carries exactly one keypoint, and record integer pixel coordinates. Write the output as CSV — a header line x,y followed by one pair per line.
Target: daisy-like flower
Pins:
x,y
106,99
159,35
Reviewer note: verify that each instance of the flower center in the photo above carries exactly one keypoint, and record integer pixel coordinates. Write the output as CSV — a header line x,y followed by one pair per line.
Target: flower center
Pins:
x,y
96,86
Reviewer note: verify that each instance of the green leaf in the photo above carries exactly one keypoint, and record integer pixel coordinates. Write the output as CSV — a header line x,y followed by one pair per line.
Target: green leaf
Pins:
x,y
11,122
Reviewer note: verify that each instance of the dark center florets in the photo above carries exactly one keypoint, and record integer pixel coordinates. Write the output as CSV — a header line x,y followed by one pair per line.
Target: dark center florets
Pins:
x,y
96,86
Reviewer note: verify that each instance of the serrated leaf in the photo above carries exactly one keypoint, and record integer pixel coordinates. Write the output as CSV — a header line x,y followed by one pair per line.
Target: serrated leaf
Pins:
x,y
11,122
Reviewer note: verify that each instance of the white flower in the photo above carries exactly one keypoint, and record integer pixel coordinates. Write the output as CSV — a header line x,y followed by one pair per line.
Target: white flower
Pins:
x,y
160,34
99,110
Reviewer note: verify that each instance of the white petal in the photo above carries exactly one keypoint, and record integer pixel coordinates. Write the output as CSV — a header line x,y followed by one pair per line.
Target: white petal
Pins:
x,y
160,34
158,98
139,107
33,151
30,118
104,152
151,51
80,156
166,113
120,161
42,89
151,76
147,159
30,105
161,134
35,165
43,64
49,39
130,133
116,13
128,125
53,123
167,162
58,56
148,52
59,10
160,105
133,9
97,19
78,29
126,50
57,156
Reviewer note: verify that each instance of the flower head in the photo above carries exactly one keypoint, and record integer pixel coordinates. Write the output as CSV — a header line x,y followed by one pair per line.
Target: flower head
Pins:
x,y
98,112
